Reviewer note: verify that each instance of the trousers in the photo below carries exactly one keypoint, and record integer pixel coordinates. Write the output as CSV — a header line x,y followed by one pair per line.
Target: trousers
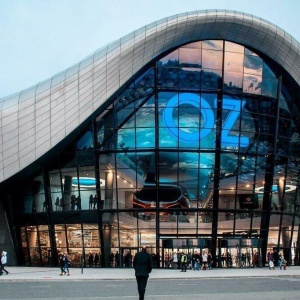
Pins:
x,y
141,283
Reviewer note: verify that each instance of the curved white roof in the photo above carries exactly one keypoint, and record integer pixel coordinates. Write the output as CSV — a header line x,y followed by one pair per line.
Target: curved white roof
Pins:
x,y
36,119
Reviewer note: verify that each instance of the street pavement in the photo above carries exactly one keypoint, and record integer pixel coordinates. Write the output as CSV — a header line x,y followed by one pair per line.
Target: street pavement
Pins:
x,y
45,273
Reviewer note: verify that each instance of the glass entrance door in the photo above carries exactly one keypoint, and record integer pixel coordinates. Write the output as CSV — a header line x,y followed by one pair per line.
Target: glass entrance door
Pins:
x,y
127,255
174,248
239,253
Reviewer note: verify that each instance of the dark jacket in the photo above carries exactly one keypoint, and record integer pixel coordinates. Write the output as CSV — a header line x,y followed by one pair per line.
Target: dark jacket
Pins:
x,y
142,264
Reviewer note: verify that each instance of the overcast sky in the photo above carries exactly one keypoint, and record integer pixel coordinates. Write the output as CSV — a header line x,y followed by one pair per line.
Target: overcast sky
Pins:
x,y
39,38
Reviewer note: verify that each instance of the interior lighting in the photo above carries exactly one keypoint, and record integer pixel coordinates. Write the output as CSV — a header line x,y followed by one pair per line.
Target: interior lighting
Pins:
x,y
88,182
288,188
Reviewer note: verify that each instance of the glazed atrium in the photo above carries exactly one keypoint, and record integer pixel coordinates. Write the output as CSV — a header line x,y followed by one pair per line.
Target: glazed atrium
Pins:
x,y
183,135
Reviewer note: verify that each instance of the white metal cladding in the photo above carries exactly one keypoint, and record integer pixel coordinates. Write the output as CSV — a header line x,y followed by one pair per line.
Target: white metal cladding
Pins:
x,y
34,120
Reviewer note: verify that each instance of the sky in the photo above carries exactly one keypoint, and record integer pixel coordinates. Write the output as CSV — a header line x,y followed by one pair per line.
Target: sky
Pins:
x,y
39,38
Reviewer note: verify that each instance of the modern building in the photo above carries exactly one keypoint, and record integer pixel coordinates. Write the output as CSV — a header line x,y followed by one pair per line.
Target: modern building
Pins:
x,y
183,135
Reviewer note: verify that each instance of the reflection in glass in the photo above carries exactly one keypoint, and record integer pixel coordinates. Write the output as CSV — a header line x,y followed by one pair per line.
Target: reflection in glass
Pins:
x,y
189,58
234,62
210,79
252,84
195,45
212,59
269,82
168,77
170,60
233,82
211,44
157,145
189,78
233,47
253,65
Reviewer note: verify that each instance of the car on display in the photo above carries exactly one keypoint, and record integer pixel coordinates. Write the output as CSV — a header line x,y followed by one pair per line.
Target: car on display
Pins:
x,y
168,196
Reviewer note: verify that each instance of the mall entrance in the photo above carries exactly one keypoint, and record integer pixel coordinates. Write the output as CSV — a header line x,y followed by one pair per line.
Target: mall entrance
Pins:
x,y
190,247
239,253
124,257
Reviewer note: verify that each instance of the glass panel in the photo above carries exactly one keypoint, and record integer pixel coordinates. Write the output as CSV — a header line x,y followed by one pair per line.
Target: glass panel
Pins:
x,y
145,137
56,191
86,141
210,79
253,65
211,44
225,225
234,62
170,60
212,59
233,82
249,52
39,201
189,78
87,186
233,47
252,84
269,82
196,45
189,58
34,250
60,238
44,240
295,251
71,199
242,223
167,77
144,81
145,117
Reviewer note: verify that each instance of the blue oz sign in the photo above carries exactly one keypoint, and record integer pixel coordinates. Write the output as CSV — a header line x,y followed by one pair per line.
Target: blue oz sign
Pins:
x,y
233,106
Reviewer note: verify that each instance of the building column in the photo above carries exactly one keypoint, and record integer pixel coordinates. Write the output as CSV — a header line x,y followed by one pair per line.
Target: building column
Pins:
x,y
107,245
107,217
67,193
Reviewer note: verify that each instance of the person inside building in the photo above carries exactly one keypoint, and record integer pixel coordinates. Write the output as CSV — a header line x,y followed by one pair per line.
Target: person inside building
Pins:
x,y
183,262
91,259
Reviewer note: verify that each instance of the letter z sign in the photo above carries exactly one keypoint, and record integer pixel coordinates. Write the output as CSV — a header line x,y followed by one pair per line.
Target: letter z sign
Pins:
x,y
233,106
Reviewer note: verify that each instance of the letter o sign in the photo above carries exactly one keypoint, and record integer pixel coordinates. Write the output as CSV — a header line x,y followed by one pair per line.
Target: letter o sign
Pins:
x,y
199,103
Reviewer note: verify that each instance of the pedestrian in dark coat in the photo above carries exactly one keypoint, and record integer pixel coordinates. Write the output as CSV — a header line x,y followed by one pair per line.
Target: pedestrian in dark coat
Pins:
x,y
62,265
143,265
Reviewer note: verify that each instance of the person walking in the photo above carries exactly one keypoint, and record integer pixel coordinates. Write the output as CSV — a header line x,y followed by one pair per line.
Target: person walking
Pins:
x,y
142,264
62,265
3,262
204,261
66,263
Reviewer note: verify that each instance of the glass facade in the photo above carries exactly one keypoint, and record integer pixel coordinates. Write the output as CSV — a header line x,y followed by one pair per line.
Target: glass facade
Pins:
x,y
201,150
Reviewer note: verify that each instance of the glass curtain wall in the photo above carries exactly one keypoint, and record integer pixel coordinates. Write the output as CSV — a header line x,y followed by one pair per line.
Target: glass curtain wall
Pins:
x,y
210,118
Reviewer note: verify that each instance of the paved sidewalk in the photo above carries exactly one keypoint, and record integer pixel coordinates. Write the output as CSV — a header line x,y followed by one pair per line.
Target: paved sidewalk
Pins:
x,y
43,273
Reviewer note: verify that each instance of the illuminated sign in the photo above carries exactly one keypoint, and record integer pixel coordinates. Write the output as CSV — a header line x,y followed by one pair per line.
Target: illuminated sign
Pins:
x,y
208,119
87,182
